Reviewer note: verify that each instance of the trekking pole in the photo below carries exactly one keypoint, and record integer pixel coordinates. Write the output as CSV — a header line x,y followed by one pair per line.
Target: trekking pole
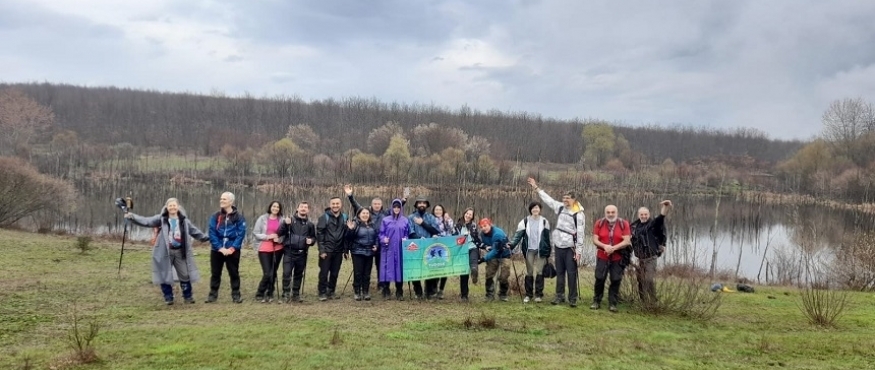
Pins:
x,y
519,288
347,282
125,204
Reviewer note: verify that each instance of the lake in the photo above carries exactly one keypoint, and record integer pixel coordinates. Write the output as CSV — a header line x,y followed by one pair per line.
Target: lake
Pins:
x,y
756,240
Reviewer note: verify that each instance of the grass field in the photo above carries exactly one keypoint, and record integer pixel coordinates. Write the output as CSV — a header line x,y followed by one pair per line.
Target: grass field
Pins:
x,y
44,277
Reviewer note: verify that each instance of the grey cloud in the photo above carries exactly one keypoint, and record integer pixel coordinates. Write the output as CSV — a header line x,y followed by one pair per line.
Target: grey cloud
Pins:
x,y
765,64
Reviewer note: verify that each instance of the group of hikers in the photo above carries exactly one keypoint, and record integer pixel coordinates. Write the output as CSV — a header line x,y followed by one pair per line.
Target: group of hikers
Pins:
x,y
373,237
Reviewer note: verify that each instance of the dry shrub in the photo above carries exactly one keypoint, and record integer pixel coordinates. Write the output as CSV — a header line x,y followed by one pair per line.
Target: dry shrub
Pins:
x,y
23,191
854,264
822,306
687,296
81,337
335,338
83,243
484,322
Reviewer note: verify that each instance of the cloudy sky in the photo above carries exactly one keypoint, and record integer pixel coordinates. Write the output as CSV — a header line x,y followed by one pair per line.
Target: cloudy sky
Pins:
x,y
773,65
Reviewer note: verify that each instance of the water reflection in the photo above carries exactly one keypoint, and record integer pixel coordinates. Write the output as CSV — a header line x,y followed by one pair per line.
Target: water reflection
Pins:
x,y
755,239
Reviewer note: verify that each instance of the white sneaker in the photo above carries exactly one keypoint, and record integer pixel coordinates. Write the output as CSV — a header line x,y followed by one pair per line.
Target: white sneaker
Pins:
x,y
537,299
526,300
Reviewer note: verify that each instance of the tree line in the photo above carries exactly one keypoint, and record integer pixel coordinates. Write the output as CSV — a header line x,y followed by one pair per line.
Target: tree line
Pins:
x,y
204,124
69,131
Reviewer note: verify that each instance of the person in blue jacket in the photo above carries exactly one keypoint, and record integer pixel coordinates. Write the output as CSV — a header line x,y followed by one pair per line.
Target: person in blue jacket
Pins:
x,y
495,240
423,225
227,231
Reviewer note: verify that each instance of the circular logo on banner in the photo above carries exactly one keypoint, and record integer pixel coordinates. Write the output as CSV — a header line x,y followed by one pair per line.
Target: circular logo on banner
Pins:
x,y
437,256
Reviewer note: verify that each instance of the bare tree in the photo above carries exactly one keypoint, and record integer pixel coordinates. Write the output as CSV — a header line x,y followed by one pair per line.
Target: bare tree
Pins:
x,y
21,120
844,122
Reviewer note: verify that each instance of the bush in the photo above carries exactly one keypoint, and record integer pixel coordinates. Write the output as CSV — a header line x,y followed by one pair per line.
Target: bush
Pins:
x,y
688,296
83,243
23,191
822,306
81,338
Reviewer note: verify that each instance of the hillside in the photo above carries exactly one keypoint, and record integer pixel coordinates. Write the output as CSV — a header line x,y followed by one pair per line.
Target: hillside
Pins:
x,y
185,121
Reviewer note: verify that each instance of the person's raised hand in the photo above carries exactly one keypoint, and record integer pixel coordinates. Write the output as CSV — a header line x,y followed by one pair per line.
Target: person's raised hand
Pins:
x,y
347,189
533,183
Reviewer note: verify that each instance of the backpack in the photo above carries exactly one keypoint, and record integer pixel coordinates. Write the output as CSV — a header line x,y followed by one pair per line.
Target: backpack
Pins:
x,y
574,216
625,253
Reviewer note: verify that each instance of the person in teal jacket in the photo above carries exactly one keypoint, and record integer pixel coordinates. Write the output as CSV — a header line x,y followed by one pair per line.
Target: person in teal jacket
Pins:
x,y
497,250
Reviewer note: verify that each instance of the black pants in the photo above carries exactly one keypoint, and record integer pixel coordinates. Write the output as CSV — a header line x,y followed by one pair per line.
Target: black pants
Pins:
x,y
329,267
566,267
361,273
270,264
232,263
473,256
294,265
602,270
376,258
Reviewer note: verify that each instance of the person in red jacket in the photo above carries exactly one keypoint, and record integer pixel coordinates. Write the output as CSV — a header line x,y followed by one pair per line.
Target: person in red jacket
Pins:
x,y
611,235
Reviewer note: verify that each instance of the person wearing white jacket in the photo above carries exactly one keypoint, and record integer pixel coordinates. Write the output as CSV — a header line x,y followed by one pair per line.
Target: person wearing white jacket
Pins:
x,y
568,240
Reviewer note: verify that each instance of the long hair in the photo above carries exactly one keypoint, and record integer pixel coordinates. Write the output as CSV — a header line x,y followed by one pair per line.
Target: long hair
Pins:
x,y
269,206
461,220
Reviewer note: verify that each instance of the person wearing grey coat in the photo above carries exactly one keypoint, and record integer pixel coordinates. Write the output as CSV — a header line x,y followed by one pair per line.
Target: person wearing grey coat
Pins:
x,y
172,254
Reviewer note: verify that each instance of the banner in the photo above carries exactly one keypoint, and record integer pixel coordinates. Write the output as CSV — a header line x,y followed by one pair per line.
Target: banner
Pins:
x,y
435,257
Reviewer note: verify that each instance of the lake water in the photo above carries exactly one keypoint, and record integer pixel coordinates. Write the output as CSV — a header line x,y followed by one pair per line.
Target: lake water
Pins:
x,y
760,241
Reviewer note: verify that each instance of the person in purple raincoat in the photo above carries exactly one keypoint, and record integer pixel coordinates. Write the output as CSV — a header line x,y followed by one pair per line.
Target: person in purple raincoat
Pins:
x,y
393,231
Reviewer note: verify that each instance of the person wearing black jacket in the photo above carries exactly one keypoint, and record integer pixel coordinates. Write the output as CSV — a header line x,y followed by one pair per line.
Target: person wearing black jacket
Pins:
x,y
377,213
298,234
648,243
363,243
331,236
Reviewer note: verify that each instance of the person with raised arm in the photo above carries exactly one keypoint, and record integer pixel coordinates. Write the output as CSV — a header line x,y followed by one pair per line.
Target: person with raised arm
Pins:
x,y
567,239
648,244
172,251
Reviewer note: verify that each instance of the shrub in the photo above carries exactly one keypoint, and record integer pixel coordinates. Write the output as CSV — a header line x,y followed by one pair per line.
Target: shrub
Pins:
x,y
83,243
685,296
23,191
81,338
822,306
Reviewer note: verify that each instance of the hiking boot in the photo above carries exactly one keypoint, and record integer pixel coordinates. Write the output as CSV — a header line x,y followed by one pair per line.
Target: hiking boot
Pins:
x,y
323,298
386,293
612,308
538,299
334,296
357,297
503,298
367,297
526,300
440,294
490,298
464,299
474,274
297,298
237,300
399,297
558,300
189,300
573,304
168,302
595,306
417,297
211,299
259,298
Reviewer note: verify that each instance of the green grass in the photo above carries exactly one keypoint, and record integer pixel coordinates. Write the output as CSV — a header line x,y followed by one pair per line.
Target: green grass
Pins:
x,y
44,276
